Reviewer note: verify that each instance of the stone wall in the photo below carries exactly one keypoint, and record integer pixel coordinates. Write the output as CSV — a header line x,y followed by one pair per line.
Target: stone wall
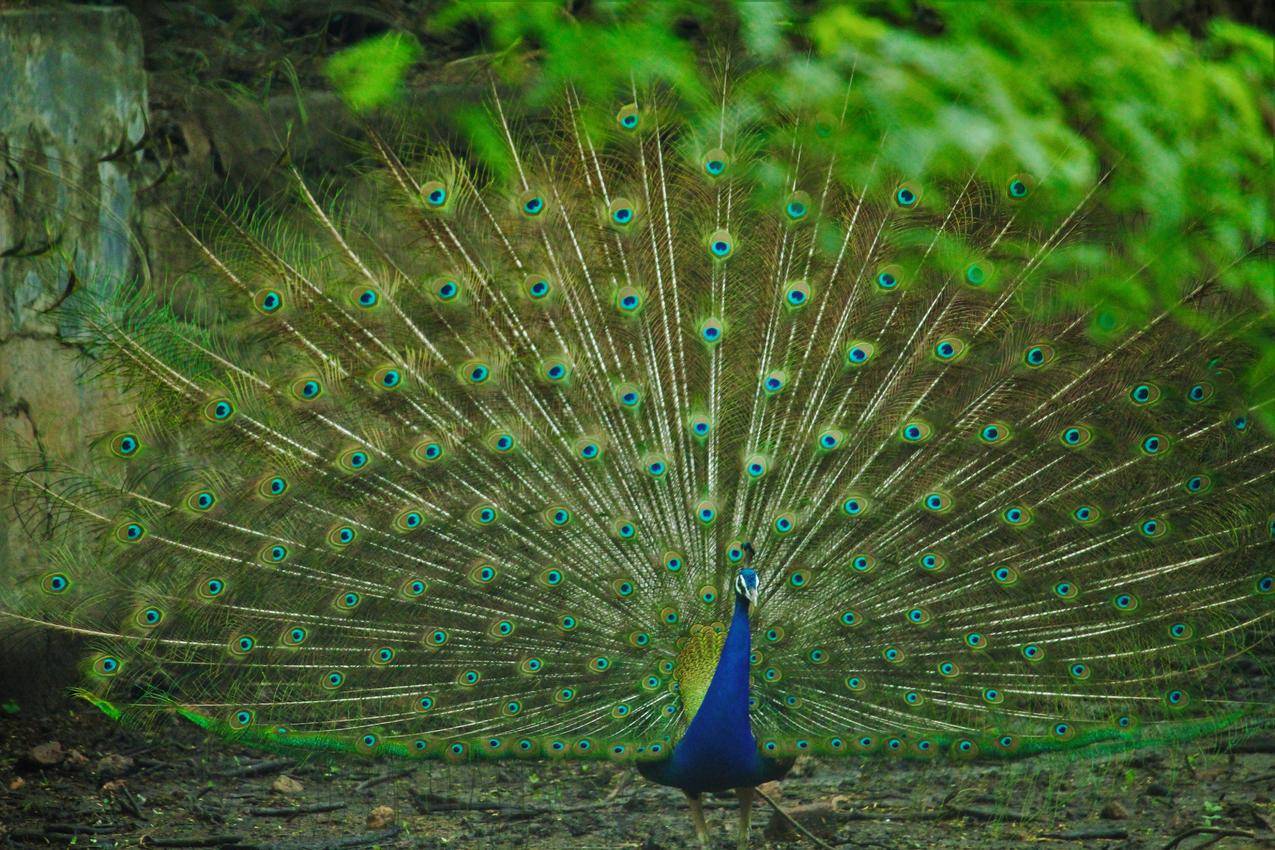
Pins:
x,y
72,117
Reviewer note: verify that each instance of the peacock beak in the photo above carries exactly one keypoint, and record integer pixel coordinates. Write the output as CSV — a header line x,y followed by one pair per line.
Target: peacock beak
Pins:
x,y
750,593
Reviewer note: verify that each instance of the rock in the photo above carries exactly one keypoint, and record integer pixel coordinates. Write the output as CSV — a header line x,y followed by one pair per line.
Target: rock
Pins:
x,y
72,113
1157,789
16,783
75,758
285,784
114,786
380,817
113,765
47,754
1114,810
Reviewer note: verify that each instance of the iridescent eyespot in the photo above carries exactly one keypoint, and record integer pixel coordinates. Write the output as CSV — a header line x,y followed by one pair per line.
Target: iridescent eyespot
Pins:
x,y
275,553
830,439
889,278
1079,671
1144,394
1125,602
241,719
414,588
382,655
348,601
307,389
1037,356
850,618
855,505
106,665
386,378
859,352
1086,514
1198,484
784,524
892,655
1154,444
130,532
55,583
628,300
993,433
409,520
437,637
916,431
468,678
715,162
797,207
353,460
242,644
428,451
917,616
621,212
1066,590
201,500
125,445
711,330
537,286
212,588
656,467
932,562
1016,516
1075,436
856,683
862,563
1153,527
475,372
978,273
796,294
755,466
501,442
700,425
623,587
1033,652
588,448
341,536
1176,698
1181,631
295,636
937,502
624,529
773,382
483,514
1019,187
907,195
268,301
976,640
948,670
817,655
446,289
720,244
798,579
435,194
531,204
219,410
1005,576
365,297
628,117
949,349
1200,393
705,511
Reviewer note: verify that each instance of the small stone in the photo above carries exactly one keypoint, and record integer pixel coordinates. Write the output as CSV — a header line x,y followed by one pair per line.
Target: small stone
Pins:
x,y
113,765
380,817
285,784
1157,789
1114,810
114,786
47,754
16,783
75,758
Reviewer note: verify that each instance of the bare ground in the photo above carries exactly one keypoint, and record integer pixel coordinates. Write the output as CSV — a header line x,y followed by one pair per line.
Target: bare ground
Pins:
x,y
71,777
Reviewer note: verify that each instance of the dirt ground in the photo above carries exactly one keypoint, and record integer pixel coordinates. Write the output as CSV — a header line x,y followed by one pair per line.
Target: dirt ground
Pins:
x,y
69,777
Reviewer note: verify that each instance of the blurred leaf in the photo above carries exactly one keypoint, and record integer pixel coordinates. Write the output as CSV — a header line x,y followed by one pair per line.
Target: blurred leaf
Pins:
x,y
371,73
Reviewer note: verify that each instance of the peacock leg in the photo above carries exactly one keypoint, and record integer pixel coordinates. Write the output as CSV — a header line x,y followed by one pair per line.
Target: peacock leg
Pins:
x,y
697,818
745,796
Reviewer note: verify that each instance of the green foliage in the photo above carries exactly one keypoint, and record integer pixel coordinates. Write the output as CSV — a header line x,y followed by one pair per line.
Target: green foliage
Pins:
x,y
371,73
1178,130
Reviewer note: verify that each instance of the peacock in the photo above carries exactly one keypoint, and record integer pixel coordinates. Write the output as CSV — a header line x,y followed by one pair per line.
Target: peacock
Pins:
x,y
662,443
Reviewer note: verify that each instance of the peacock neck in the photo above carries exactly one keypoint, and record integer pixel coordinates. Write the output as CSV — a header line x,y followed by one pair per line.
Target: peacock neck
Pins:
x,y
718,750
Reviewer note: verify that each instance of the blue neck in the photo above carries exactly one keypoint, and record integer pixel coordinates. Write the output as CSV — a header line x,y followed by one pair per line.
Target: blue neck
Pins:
x,y
718,750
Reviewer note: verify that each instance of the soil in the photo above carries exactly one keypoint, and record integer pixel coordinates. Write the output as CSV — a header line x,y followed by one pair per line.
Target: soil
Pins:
x,y
70,777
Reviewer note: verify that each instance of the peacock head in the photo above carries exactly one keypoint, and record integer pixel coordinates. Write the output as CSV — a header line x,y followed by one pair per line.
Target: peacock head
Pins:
x,y
746,584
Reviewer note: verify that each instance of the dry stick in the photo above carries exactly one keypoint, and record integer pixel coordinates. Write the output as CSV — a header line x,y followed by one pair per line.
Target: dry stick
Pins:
x,y
1209,830
792,821
373,781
